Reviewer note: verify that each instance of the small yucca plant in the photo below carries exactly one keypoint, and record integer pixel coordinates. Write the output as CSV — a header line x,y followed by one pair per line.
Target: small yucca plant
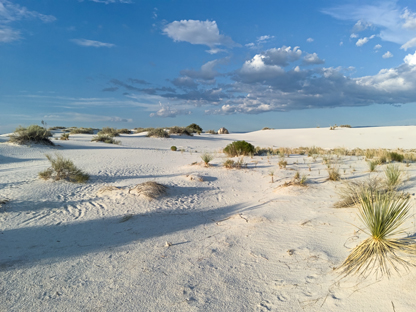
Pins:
x,y
206,157
372,165
63,169
394,176
382,216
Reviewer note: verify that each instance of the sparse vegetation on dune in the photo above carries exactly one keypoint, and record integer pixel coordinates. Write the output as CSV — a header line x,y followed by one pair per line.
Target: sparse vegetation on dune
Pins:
x,y
333,174
64,136
211,132
239,148
105,139
140,130
158,133
238,164
382,216
56,128
394,176
124,131
81,130
112,132
63,169
345,126
30,135
267,128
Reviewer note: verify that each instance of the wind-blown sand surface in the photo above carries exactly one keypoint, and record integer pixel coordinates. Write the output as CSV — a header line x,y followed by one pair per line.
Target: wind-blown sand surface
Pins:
x,y
234,242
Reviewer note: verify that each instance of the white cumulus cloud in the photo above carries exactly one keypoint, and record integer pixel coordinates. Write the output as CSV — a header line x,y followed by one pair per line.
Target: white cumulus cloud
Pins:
x,y
362,41
309,40
199,32
377,46
388,54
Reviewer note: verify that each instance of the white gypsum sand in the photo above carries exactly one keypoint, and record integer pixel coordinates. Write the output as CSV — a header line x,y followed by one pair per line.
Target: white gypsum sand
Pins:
x,y
231,242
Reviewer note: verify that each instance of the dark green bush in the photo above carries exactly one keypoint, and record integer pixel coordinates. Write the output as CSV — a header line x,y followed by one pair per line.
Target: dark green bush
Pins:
x,y
194,128
173,148
158,133
31,134
239,148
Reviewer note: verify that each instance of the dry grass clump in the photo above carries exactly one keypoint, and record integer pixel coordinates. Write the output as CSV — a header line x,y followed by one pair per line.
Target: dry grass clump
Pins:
x,y
81,130
393,156
105,139
239,164
345,126
207,157
351,192
239,148
64,137
372,165
150,190
211,132
112,132
229,164
180,131
382,216
158,133
333,174
31,134
297,180
282,163
63,169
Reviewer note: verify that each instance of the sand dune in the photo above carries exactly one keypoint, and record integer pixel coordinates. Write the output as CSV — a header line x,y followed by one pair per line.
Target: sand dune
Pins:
x,y
231,242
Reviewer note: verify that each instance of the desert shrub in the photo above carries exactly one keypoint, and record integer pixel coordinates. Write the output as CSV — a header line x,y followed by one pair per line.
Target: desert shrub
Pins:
x,y
229,164
393,156
124,131
211,132
370,153
239,148
382,217
173,148
333,174
207,157
282,163
267,128
140,130
345,126
157,133
63,169
194,128
180,131
64,136
112,132
31,134
105,139
81,131
394,176
150,190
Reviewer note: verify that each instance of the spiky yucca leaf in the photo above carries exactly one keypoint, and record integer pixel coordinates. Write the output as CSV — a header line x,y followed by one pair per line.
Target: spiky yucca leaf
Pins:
x,y
382,216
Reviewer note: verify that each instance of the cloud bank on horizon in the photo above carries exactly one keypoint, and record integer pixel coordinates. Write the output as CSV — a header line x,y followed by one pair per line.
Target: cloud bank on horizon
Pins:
x,y
202,63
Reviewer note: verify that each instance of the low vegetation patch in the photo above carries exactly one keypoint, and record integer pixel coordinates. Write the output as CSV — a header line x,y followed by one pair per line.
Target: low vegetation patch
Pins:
x,y
112,132
239,148
345,126
81,130
180,131
30,135
207,157
194,128
63,169
56,128
393,156
394,176
211,132
64,136
333,174
105,139
158,133
124,131
173,148
140,130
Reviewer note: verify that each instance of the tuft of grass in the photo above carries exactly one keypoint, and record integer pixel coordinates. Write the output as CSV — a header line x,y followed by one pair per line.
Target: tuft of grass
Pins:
x,y
351,191
31,134
207,157
239,148
211,132
64,136
229,164
150,189
393,156
345,126
105,139
382,216
158,133
333,174
372,165
63,169
173,148
282,163
394,176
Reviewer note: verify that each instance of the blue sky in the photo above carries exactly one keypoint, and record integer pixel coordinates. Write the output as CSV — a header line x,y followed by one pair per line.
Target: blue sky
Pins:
x,y
239,64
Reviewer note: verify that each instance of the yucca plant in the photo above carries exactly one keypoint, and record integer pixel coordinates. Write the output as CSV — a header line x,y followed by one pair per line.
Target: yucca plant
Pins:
x,y
394,176
382,216
63,169
206,157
